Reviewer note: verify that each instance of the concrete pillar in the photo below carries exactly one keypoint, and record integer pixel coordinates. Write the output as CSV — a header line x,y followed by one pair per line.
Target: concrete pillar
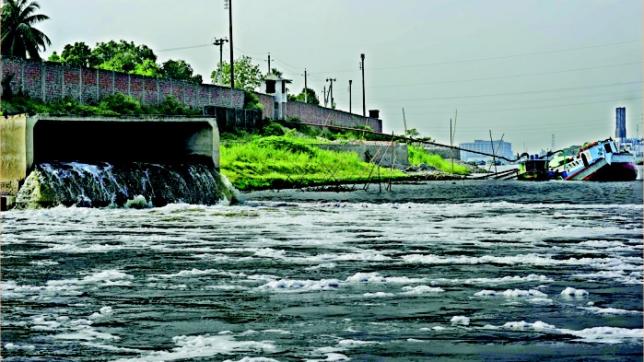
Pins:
x,y
43,79
80,85
158,91
98,85
113,82
129,84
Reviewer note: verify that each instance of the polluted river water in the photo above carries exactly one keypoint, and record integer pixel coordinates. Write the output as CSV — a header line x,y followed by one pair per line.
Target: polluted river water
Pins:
x,y
430,271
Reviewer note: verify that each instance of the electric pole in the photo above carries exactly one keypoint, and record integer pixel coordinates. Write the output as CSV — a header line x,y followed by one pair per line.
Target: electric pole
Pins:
x,y
229,6
326,100
350,82
331,80
220,43
269,63
404,121
306,88
364,105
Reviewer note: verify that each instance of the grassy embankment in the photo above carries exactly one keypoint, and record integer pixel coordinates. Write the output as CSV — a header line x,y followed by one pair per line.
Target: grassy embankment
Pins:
x,y
293,160
275,157
418,156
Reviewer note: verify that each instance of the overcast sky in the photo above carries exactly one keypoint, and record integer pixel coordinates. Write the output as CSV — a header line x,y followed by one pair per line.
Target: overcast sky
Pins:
x,y
526,69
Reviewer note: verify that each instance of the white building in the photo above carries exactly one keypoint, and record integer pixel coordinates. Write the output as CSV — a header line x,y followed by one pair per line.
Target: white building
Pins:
x,y
501,148
276,86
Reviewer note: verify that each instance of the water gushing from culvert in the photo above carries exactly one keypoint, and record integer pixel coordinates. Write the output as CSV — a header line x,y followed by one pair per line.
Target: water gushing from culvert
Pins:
x,y
131,184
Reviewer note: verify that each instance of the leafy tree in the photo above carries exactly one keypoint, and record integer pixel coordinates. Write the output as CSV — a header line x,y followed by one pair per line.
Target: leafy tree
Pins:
x,y
78,54
179,69
311,97
247,75
126,57
19,37
413,132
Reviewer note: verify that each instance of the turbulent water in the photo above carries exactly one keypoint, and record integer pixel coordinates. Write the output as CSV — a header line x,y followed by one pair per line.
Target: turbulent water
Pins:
x,y
136,184
440,271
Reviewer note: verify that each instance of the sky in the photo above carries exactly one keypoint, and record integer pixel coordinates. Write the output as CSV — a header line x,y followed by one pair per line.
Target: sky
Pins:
x,y
529,70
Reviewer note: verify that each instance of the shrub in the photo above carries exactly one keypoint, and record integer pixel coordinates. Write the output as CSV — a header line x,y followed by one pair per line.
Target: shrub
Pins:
x,y
120,104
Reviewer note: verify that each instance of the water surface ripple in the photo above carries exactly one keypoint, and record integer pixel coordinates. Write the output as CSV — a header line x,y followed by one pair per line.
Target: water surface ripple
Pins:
x,y
550,271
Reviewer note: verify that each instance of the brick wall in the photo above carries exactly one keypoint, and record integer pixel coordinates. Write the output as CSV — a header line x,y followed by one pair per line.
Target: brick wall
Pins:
x,y
50,81
319,115
311,113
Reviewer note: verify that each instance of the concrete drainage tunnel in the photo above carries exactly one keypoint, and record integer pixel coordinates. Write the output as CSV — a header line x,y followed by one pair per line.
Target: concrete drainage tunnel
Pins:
x,y
99,162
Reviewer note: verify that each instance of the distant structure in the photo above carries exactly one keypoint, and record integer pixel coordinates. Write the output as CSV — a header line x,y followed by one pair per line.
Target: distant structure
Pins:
x,y
620,123
501,148
276,86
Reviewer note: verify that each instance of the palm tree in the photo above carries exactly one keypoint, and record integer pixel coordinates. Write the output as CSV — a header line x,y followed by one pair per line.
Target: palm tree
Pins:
x,y
19,37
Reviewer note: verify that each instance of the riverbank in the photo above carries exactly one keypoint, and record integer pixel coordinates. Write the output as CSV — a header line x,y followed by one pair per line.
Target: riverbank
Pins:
x,y
280,157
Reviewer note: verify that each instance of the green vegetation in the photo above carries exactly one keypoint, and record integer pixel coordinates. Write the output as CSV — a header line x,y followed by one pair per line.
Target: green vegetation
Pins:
x,y
19,37
289,160
419,156
310,98
247,75
112,105
125,57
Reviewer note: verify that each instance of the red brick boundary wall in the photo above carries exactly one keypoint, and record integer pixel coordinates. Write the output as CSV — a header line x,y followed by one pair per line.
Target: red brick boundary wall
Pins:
x,y
49,81
311,113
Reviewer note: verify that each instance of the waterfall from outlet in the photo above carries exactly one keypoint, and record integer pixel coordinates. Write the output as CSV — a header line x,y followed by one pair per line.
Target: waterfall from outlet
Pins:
x,y
132,184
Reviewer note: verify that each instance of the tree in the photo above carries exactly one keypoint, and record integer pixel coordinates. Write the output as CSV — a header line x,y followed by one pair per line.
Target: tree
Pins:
x,y
179,69
247,75
311,97
19,37
79,54
126,57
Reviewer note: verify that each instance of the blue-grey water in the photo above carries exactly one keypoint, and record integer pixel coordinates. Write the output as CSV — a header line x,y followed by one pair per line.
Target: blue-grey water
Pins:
x,y
431,271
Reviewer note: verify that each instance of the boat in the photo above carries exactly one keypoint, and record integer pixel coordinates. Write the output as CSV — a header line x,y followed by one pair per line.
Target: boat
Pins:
x,y
596,161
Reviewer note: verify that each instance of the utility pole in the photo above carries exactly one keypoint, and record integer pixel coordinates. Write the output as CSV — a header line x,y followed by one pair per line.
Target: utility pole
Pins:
x,y
306,88
331,80
269,63
364,105
350,82
326,100
220,43
493,153
229,5
404,121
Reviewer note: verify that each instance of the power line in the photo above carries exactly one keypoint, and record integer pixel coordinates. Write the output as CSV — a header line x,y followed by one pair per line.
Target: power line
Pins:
x,y
551,51
186,47
505,76
517,93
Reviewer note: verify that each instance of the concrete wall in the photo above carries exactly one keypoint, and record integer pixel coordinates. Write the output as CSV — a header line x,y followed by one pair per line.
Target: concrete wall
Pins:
x,y
50,81
445,153
381,153
13,155
27,141
311,113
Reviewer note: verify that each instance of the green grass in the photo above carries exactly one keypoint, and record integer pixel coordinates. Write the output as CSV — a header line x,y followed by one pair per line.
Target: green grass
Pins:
x,y
419,156
256,162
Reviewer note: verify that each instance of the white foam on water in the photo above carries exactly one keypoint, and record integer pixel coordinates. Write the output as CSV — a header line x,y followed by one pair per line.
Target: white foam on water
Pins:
x,y
103,313
322,266
276,331
375,277
202,346
253,359
460,320
622,263
18,346
103,278
292,285
571,292
186,274
270,253
421,289
613,311
354,343
603,334
616,275
378,295
78,249
43,262
512,293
